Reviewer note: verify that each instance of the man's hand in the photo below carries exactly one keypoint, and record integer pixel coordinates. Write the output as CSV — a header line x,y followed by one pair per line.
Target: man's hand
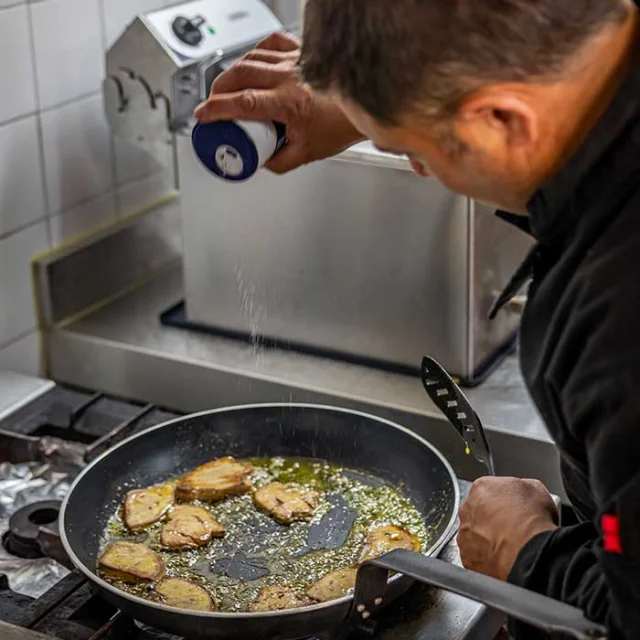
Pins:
x,y
266,85
500,516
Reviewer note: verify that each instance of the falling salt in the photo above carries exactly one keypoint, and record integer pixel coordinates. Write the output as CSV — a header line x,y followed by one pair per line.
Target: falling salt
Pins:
x,y
253,312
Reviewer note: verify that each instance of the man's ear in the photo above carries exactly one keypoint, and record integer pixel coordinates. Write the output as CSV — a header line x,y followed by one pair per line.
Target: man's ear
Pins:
x,y
497,116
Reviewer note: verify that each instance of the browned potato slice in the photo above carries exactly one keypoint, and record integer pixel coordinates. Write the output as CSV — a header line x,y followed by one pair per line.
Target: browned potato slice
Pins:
x,y
180,593
334,585
279,598
383,539
190,527
131,562
144,507
286,503
215,480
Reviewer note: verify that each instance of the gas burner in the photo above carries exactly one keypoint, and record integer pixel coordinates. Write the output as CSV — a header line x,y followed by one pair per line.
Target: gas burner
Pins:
x,y
43,446
73,427
30,527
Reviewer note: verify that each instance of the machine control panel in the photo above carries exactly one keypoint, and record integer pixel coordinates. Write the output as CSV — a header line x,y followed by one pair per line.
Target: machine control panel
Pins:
x,y
188,30
204,28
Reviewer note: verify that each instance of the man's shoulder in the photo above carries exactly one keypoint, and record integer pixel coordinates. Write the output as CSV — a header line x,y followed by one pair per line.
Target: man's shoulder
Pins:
x,y
603,304
614,257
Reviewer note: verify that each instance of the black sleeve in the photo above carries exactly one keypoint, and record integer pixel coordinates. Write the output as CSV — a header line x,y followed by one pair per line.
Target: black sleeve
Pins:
x,y
563,564
596,566
571,565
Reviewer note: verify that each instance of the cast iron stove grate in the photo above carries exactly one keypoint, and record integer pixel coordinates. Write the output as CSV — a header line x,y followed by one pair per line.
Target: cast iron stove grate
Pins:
x,y
70,611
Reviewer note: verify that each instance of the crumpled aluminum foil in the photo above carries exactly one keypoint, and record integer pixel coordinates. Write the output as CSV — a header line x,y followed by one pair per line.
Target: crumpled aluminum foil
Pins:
x,y
20,485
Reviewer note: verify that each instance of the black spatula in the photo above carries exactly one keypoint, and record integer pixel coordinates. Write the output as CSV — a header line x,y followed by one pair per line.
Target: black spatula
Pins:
x,y
448,397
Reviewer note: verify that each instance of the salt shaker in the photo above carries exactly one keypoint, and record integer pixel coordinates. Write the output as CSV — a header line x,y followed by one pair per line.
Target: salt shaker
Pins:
x,y
234,150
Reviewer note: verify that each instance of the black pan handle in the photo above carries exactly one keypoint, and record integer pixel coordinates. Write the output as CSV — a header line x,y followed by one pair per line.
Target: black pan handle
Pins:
x,y
448,397
526,606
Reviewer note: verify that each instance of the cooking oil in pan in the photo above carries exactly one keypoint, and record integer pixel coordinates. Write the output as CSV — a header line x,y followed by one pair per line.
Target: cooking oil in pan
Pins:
x,y
257,552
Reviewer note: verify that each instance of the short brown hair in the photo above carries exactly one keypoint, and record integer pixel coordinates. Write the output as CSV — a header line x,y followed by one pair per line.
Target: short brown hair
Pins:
x,y
389,56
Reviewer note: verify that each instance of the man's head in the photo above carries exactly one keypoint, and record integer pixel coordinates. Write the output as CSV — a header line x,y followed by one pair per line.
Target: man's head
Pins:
x,y
478,92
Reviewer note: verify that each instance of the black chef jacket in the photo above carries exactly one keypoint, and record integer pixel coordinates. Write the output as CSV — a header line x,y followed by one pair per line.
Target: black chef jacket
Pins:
x,y
580,355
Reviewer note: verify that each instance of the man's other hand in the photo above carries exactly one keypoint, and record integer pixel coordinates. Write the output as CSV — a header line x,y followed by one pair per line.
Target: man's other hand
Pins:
x,y
499,517
266,85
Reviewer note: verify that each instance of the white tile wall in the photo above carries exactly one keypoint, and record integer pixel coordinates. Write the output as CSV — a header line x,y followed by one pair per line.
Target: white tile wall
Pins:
x,y
16,296
69,50
22,199
61,173
22,355
78,221
135,195
77,153
119,13
16,70
133,163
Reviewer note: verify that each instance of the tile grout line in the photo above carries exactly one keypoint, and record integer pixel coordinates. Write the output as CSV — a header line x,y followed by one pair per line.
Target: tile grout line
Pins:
x,y
70,101
20,118
37,112
112,143
34,69
83,203
22,227
19,337
39,132
18,3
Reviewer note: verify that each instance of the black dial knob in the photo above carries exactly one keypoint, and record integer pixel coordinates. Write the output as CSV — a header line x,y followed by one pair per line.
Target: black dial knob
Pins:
x,y
188,31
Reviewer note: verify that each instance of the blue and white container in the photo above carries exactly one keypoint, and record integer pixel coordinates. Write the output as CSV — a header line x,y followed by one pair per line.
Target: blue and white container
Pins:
x,y
235,150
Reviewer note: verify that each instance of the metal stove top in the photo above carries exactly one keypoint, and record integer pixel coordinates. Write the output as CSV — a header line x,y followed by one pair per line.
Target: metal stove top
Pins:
x,y
43,445
73,422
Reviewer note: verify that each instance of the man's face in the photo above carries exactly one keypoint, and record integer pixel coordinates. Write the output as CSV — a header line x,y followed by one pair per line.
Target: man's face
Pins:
x,y
467,157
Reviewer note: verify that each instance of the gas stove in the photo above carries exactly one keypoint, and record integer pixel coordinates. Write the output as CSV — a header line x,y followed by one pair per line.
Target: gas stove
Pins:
x,y
43,446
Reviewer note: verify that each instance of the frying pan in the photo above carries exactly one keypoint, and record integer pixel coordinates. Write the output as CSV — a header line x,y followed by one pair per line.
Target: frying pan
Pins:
x,y
346,438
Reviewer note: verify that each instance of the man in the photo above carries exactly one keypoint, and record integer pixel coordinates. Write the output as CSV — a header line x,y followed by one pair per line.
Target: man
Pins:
x,y
534,106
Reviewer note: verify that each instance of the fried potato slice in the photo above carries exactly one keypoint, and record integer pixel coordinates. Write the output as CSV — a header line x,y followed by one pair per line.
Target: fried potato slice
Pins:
x,y
183,594
131,562
190,527
215,480
334,585
381,540
279,598
286,503
144,507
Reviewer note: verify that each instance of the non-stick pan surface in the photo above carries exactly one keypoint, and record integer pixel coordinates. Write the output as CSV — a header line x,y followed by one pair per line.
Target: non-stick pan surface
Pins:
x,y
350,439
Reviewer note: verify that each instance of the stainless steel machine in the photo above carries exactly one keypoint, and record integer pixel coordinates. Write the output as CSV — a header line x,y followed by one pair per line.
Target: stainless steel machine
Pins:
x,y
164,63
352,257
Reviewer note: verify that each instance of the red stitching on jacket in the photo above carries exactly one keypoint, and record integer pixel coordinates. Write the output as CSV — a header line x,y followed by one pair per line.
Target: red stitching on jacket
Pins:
x,y
611,534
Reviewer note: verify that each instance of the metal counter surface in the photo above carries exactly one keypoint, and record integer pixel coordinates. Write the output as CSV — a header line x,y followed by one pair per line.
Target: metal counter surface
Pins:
x,y
123,349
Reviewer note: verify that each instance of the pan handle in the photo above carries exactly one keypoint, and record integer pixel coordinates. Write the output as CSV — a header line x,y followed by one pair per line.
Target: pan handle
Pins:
x,y
516,602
